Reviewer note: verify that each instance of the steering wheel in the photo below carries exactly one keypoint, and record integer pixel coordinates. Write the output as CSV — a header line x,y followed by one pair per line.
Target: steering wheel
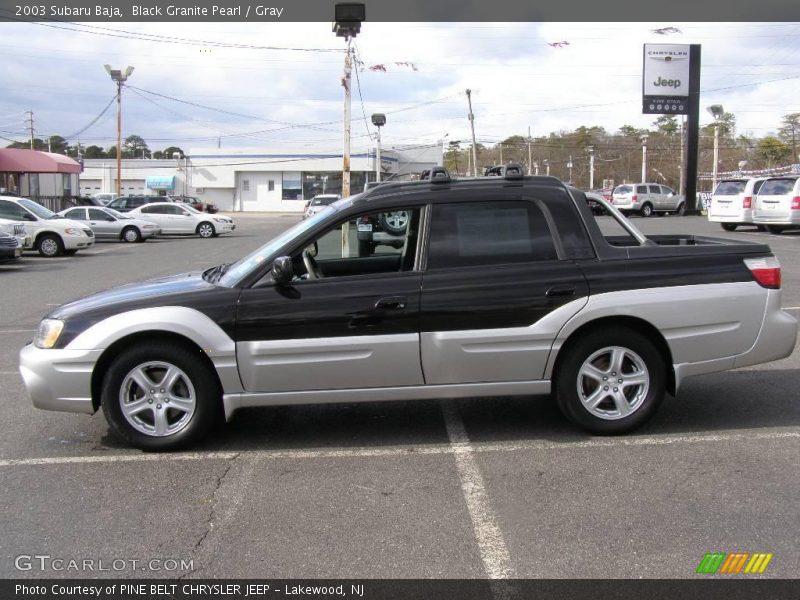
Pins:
x,y
311,265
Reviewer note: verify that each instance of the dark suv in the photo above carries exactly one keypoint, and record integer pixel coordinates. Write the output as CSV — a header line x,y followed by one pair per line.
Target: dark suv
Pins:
x,y
126,203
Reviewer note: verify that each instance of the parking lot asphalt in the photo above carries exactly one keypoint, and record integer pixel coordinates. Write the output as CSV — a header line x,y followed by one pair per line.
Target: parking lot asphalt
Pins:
x,y
471,488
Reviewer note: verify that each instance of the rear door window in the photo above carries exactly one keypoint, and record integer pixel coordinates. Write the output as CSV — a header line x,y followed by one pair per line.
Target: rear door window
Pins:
x,y
76,213
641,189
488,233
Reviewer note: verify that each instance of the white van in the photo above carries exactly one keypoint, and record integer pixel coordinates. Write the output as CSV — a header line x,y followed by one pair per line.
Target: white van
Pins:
x,y
732,202
778,204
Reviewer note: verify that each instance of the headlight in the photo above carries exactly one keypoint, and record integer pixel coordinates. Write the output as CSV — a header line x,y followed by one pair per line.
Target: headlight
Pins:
x,y
49,330
222,220
73,231
149,226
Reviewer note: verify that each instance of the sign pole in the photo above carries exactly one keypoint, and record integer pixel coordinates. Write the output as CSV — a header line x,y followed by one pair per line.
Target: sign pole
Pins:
x,y
693,131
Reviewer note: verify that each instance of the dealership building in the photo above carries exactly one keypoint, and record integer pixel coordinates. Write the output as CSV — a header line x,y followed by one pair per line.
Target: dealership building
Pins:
x,y
253,179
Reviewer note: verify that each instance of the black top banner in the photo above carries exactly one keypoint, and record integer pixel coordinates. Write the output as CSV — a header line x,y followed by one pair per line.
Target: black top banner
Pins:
x,y
401,10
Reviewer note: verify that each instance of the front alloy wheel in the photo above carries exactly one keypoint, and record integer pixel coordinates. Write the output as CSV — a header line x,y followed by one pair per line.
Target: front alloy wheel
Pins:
x,y
161,395
205,230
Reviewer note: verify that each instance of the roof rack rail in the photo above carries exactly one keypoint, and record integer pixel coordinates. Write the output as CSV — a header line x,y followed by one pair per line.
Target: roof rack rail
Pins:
x,y
513,171
436,175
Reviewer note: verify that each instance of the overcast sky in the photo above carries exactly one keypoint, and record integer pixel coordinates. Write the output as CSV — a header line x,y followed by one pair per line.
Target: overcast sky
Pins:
x,y
518,80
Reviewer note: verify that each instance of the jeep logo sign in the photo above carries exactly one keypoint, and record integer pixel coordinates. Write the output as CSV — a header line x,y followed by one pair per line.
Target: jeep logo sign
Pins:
x,y
666,70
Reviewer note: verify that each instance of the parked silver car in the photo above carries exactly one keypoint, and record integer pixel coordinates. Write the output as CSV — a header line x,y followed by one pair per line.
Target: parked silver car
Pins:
x,y
110,224
646,199
778,204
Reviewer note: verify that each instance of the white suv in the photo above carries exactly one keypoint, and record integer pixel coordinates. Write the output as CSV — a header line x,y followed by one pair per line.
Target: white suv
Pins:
x,y
51,234
646,199
778,204
732,202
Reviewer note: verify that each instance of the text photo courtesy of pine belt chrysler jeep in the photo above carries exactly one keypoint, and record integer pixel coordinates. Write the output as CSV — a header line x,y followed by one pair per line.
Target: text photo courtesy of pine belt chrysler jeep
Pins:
x,y
501,286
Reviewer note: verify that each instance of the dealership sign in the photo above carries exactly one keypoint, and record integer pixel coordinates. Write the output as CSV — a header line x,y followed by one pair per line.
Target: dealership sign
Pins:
x,y
665,79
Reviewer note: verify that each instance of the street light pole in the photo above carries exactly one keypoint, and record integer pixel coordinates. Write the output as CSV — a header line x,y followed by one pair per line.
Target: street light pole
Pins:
x,y
119,77
644,158
379,120
716,111
472,126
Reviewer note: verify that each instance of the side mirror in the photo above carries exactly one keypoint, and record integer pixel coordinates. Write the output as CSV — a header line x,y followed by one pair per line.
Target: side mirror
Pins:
x,y
282,270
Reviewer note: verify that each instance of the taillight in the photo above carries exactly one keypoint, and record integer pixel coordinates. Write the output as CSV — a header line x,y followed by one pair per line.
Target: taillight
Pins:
x,y
634,198
766,271
748,202
796,203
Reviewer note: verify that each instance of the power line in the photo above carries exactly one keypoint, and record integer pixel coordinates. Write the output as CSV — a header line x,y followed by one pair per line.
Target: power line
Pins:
x,y
93,121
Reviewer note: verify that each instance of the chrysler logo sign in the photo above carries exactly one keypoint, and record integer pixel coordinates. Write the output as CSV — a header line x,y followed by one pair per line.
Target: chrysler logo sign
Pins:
x,y
665,78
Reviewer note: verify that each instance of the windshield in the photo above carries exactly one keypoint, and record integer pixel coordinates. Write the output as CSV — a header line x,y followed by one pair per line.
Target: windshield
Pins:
x,y
241,268
729,188
37,209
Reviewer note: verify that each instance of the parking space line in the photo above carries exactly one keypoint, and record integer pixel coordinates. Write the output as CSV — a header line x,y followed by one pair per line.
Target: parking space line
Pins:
x,y
492,545
791,308
456,447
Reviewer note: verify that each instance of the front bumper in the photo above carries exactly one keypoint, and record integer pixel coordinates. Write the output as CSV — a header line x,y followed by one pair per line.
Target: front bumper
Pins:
x,y
76,242
225,227
59,379
150,233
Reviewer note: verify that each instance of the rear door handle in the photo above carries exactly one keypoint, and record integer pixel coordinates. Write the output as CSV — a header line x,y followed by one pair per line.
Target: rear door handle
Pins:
x,y
560,291
392,303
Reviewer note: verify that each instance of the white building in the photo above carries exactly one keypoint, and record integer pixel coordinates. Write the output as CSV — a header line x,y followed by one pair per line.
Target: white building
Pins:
x,y
253,179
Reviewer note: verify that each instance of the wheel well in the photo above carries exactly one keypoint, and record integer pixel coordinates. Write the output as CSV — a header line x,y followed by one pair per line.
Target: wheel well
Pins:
x,y
639,325
43,233
120,345
124,229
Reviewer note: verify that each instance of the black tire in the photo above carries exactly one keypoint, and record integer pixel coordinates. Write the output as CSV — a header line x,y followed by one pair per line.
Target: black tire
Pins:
x,y
681,210
365,248
70,252
729,226
208,396
206,230
131,234
50,245
646,210
775,229
386,221
568,381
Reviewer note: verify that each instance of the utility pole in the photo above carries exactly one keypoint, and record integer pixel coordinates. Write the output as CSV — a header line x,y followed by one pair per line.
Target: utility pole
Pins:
x,y
30,125
119,77
530,163
569,165
682,167
501,153
472,126
590,149
348,69
379,120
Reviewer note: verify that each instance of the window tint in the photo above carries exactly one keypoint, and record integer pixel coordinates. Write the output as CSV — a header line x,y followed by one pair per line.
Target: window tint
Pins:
x,y
488,233
175,210
10,210
76,213
729,188
667,190
155,209
777,187
641,189
654,189
623,189
97,215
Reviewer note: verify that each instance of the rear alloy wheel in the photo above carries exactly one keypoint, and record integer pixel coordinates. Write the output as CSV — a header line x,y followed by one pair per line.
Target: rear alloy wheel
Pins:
x,y
729,226
160,396
205,230
775,229
647,210
50,245
131,235
610,381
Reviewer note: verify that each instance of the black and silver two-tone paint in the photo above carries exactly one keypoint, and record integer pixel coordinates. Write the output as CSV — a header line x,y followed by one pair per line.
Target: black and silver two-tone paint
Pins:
x,y
502,286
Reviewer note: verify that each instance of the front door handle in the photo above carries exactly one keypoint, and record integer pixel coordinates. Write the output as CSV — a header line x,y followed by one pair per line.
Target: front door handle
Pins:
x,y
560,291
392,303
